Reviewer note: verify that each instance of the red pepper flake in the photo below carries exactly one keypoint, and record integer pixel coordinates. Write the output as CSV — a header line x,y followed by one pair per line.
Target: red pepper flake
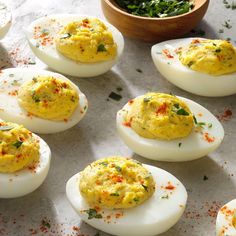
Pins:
x,y
166,52
208,138
128,123
75,228
13,93
130,102
162,109
196,41
118,215
65,120
170,186
227,114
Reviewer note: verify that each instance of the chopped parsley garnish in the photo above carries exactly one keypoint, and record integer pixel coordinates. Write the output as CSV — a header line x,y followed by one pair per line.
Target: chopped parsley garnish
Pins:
x,y
35,79
115,96
103,163
179,110
180,144
35,97
156,8
46,224
136,199
92,213
182,112
165,197
6,128
190,63
118,168
147,99
209,125
115,194
31,63
65,36
17,144
145,187
101,48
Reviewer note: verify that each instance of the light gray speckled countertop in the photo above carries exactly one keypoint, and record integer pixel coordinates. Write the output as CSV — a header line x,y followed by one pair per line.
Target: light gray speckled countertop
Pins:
x,y
95,136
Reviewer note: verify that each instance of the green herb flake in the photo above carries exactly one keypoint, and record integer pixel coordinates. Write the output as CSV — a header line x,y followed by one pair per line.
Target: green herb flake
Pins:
x,y
65,36
35,79
101,48
17,144
115,96
115,194
145,187
35,97
46,224
190,63
45,31
92,213
136,199
147,99
221,31
11,75
179,144
165,196
195,120
182,112
156,8
118,168
209,125
6,128
103,163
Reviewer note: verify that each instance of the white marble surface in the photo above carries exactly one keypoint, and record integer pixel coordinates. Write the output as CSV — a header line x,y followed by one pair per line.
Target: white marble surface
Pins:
x,y
95,136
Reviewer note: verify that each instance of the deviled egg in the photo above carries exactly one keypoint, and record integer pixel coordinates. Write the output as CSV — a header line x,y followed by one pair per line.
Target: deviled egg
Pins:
x,y
43,101
5,19
75,45
168,128
200,66
226,220
123,197
24,160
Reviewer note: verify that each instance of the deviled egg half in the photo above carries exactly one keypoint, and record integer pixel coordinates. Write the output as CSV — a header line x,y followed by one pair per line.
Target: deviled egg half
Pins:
x,y
168,128
74,44
226,220
200,66
43,101
123,197
5,19
24,160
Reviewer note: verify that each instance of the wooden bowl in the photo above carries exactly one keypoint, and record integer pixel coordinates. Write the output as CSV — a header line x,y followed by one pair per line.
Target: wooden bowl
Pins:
x,y
153,29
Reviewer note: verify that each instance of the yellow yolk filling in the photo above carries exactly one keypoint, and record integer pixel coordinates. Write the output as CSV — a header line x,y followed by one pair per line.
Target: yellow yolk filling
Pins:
x,y
116,182
159,116
18,148
48,98
87,41
214,57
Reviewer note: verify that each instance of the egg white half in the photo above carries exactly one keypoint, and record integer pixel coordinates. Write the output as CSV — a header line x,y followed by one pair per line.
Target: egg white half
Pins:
x,y
224,226
25,181
182,149
156,215
10,110
50,56
187,79
5,19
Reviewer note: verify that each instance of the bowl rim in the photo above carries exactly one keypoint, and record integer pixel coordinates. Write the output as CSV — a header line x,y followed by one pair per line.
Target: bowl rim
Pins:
x,y
108,2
